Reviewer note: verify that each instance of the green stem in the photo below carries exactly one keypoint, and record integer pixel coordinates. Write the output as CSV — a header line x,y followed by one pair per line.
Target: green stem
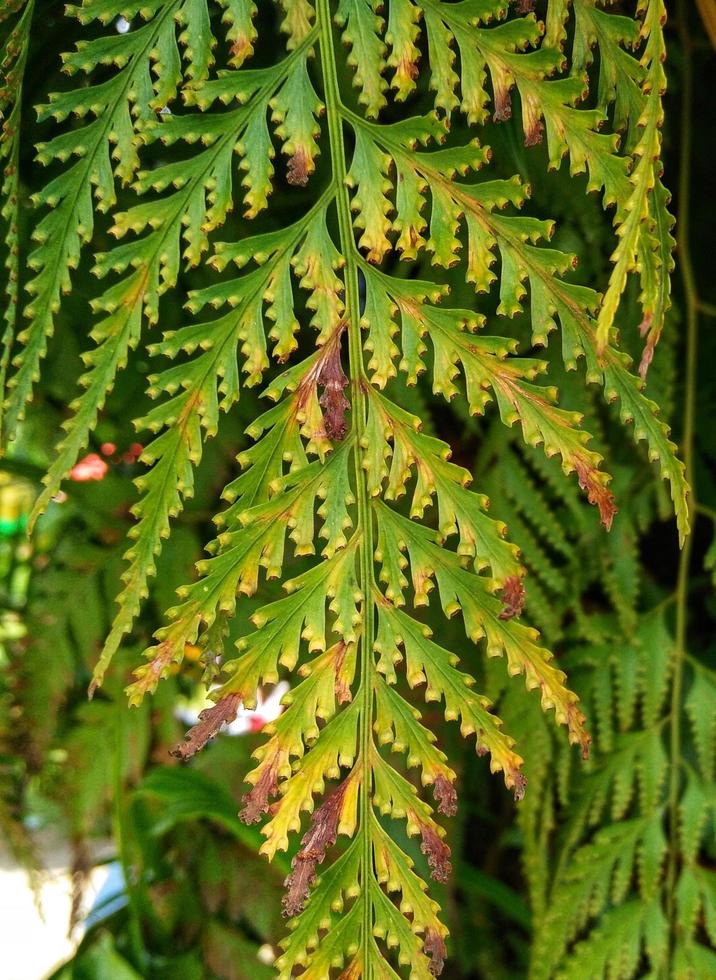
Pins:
x,y
708,309
705,511
358,383
687,448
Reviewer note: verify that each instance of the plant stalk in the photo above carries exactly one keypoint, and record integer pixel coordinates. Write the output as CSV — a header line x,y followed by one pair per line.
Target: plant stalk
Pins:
x,y
358,383
687,448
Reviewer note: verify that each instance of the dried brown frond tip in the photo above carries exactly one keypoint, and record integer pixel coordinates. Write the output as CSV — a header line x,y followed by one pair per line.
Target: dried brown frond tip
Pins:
x,y
513,597
520,787
446,795
335,404
298,172
256,802
593,482
211,721
318,838
434,946
437,853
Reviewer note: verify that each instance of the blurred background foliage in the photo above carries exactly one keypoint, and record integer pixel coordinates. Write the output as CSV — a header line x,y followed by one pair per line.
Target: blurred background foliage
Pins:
x,y
196,900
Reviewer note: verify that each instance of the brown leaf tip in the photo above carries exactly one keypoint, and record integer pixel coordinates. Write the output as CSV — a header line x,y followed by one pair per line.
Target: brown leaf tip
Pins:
x,y
652,339
240,49
585,741
534,132
446,795
256,802
341,686
578,734
211,721
318,838
333,380
298,169
503,104
593,482
437,852
407,68
434,946
513,597
519,787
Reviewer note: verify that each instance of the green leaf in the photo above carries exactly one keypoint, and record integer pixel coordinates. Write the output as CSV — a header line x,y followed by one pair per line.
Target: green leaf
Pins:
x,y
186,795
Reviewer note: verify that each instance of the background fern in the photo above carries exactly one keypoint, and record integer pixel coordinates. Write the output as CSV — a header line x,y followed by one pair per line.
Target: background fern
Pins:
x,y
343,443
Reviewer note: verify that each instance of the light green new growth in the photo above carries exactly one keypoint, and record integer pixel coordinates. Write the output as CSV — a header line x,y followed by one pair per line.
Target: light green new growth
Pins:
x,y
337,473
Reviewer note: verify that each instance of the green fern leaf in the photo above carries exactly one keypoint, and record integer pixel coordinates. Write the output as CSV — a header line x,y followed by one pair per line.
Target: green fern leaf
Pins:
x,y
361,515
12,69
645,241
68,225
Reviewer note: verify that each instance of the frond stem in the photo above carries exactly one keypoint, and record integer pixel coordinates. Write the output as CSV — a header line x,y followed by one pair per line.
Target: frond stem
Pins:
x,y
687,447
705,511
358,381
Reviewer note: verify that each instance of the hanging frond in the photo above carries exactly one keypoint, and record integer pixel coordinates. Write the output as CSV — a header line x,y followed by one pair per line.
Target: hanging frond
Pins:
x,y
341,496
12,71
621,890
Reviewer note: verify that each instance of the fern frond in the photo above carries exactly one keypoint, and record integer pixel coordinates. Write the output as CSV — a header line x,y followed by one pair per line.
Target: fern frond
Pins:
x,y
644,230
12,71
100,149
199,203
620,73
361,515
614,845
552,298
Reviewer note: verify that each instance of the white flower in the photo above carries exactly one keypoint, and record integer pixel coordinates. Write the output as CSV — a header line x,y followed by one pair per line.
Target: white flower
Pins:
x,y
266,954
247,720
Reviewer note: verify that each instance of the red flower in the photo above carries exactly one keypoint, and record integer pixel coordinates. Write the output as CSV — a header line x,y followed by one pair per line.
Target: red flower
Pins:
x,y
91,467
